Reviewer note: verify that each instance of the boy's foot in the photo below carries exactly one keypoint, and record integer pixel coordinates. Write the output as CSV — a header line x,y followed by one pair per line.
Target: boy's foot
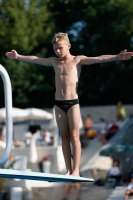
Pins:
x,y
67,174
75,174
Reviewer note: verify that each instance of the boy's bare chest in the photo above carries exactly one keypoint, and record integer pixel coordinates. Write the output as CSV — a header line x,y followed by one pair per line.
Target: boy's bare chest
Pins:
x,y
66,68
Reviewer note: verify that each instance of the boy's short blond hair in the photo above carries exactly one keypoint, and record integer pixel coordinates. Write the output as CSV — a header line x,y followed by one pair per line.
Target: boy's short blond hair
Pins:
x,y
59,37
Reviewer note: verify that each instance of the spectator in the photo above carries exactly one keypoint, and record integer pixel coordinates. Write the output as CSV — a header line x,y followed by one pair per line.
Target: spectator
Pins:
x,y
3,133
120,111
103,131
109,124
129,190
2,136
68,186
112,130
2,143
27,138
87,123
46,136
114,172
18,143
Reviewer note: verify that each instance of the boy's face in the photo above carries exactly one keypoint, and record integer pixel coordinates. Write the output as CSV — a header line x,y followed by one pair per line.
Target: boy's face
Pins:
x,y
61,48
115,164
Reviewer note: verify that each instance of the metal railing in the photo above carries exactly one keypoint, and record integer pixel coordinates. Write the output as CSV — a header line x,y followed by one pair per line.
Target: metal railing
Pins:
x,y
8,106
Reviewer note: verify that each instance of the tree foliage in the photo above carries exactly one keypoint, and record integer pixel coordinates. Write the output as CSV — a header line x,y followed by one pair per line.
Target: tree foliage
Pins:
x,y
25,28
95,27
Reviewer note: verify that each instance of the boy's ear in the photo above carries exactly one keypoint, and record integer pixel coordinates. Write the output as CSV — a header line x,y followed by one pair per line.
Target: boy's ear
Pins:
x,y
69,46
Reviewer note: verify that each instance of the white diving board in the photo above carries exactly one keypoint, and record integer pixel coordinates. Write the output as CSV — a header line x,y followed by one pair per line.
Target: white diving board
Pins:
x,y
38,176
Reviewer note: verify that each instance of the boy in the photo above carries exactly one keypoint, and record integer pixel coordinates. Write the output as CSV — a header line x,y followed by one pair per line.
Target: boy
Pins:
x,y
67,71
129,190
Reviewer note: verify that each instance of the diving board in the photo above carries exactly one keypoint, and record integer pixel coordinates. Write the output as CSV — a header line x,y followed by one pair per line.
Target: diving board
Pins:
x,y
28,175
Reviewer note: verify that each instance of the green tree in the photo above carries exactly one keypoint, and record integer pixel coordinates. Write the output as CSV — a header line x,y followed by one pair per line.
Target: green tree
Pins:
x,y
25,28
95,27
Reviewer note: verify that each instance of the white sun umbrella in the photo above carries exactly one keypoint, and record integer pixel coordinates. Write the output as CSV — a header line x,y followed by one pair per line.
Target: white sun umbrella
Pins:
x,y
53,123
33,155
17,114
38,114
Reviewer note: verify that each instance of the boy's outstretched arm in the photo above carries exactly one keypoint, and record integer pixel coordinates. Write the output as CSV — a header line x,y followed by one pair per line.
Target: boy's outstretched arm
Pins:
x,y
31,59
123,55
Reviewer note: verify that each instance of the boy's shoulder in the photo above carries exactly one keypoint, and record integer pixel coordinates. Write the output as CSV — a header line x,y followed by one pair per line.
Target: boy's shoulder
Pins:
x,y
54,58
80,56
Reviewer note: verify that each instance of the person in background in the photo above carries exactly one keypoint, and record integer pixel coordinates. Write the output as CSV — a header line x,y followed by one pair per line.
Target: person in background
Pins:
x,y
120,111
103,130
129,190
112,130
3,133
2,136
87,125
2,142
46,136
114,172
27,138
17,143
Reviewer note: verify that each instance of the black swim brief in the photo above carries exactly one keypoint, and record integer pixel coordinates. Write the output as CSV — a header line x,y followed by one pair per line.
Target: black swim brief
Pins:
x,y
66,104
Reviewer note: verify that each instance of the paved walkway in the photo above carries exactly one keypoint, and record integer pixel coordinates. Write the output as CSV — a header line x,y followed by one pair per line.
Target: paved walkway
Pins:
x,y
87,153
118,194
92,162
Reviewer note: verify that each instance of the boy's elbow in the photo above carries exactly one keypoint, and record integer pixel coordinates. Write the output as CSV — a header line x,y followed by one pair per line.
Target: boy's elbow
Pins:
x,y
99,59
38,61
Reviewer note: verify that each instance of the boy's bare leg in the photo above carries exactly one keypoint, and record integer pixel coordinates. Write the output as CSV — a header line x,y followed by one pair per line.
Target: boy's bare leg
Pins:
x,y
73,115
127,194
62,122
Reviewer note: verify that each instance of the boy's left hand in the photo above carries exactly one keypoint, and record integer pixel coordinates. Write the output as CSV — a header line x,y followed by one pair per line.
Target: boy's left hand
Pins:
x,y
124,55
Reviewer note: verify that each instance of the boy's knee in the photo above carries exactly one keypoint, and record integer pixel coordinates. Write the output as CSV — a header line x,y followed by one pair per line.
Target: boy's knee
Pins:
x,y
127,192
73,141
65,135
74,133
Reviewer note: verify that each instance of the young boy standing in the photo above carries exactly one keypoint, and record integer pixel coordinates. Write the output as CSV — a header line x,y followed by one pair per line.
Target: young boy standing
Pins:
x,y
67,71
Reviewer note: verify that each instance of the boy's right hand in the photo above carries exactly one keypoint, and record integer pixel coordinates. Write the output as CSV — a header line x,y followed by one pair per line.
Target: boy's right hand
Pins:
x,y
12,54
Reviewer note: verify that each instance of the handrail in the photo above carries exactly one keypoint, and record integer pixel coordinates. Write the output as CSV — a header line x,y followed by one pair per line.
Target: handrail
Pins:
x,y
8,106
